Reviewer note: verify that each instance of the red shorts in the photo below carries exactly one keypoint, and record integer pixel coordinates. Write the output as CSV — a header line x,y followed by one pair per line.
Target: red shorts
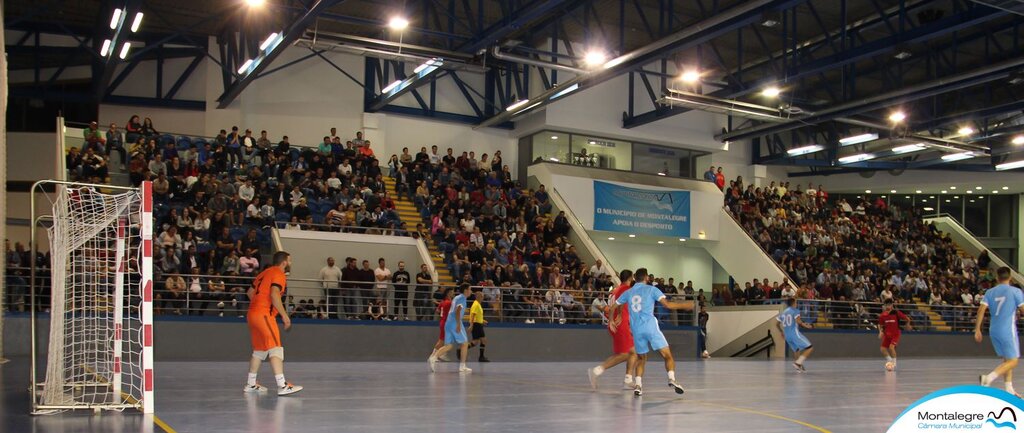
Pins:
x,y
890,340
622,341
442,331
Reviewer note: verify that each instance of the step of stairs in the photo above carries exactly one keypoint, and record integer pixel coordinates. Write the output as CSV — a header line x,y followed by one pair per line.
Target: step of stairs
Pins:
x,y
409,215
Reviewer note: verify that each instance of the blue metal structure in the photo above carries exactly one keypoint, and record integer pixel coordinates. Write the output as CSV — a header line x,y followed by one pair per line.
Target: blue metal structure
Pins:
x,y
842,64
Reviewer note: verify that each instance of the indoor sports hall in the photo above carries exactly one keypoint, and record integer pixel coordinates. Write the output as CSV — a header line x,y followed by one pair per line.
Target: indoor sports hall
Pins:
x,y
511,215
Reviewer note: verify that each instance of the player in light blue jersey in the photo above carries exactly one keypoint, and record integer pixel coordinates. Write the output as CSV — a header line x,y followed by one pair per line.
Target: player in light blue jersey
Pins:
x,y
455,331
646,333
1003,301
789,323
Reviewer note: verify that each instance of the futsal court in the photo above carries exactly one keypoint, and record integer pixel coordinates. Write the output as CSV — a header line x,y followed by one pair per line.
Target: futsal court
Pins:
x,y
722,395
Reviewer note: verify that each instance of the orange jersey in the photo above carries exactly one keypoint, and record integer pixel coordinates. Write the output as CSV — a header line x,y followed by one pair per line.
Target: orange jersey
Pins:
x,y
261,302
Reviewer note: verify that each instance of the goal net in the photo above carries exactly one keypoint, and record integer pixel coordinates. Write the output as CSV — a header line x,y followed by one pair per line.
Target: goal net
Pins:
x,y
99,354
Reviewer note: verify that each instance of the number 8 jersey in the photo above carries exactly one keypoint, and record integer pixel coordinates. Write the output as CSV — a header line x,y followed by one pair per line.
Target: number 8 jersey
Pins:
x,y
641,299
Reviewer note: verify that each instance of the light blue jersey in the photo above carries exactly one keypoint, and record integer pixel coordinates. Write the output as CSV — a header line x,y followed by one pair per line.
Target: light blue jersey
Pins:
x,y
646,333
791,329
455,322
1003,301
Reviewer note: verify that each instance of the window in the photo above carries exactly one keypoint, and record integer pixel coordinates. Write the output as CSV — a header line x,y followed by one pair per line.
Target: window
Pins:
x,y
1001,216
551,146
976,215
601,152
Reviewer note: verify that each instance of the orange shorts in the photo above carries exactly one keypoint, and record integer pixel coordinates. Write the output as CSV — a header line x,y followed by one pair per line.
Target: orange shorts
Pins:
x,y
264,332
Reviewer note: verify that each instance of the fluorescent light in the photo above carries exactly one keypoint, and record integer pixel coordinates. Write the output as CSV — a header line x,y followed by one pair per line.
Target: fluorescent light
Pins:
x,y
867,191
892,191
554,137
517,104
398,23
995,192
594,58
682,239
554,159
137,22
856,158
660,242
897,117
944,191
611,239
254,3
771,91
268,41
899,150
690,76
857,139
1018,140
917,192
966,130
977,187
632,236
432,63
245,66
1005,188
106,48
564,92
804,150
116,19
391,86
124,50
952,187
1010,165
927,209
957,156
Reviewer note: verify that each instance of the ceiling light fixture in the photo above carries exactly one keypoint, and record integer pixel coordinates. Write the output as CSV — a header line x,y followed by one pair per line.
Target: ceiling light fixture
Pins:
x,y
690,76
517,104
391,86
892,191
957,156
1010,165
124,50
897,117
116,19
771,92
398,23
856,158
255,3
1018,140
917,192
899,150
966,130
632,236
1005,188
660,242
804,150
594,58
106,48
554,137
269,41
245,66
867,191
137,22
611,239
857,139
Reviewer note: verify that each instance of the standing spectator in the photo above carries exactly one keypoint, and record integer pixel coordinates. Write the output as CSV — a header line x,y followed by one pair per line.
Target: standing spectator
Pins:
x,y
93,138
710,175
400,283
720,178
424,287
330,280
702,322
115,142
382,275
599,269
350,294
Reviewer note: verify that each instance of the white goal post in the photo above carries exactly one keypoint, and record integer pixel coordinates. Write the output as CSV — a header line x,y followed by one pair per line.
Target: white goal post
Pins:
x,y
99,352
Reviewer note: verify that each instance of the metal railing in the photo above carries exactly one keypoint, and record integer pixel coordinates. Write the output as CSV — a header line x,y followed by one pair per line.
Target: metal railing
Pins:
x,y
863,315
285,225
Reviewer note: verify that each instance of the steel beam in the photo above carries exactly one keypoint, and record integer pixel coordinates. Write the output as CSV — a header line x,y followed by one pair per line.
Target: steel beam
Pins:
x,y
516,21
293,32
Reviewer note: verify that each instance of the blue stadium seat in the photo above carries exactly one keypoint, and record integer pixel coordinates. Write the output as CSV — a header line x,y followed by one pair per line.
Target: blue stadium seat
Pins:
x,y
184,143
199,142
237,233
164,139
282,216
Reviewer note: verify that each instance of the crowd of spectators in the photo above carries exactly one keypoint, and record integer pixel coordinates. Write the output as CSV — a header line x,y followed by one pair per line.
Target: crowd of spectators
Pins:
x,y
859,250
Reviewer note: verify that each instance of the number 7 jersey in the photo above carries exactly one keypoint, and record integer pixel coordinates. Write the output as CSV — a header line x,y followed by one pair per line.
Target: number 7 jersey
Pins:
x,y
1003,301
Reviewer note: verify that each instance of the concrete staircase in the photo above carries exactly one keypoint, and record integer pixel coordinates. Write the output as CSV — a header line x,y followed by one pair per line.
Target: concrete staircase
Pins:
x,y
409,215
936,321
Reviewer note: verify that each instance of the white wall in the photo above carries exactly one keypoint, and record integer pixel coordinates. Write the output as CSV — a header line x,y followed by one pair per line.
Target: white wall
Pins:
x,y
396,131
726,325
666,261
929,181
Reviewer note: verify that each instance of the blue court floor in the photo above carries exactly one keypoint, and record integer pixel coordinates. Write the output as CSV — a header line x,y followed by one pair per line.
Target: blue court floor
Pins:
x,y
722,395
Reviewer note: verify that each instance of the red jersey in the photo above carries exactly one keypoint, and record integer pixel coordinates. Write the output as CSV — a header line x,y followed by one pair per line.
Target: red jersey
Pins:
x,y
445,306
890,322
624,323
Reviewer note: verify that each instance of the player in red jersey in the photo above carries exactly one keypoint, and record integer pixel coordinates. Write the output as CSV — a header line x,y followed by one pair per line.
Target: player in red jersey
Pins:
x,y
889,331
443,307
622,337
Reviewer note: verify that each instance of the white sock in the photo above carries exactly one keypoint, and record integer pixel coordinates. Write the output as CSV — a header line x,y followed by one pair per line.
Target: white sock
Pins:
x,y
433,355
639,381
1008,386
672,376
280,380
801,359
888,358
992,377
462,364
252,379
628,378
599,370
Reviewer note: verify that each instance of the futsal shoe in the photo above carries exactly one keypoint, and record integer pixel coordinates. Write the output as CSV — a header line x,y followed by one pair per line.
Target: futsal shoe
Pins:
x,y
288,389
483,359
675,385
628,385
799,367
638,391
431,361
593,378
983,380
465,370
254,388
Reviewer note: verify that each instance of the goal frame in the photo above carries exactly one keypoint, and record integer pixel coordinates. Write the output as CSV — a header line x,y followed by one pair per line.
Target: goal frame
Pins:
x,y
145,285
